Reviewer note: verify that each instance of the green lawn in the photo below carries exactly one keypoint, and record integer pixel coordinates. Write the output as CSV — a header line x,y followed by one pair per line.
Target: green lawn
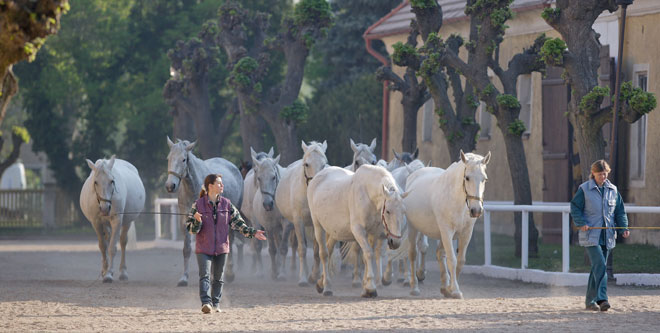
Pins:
x,y
628,258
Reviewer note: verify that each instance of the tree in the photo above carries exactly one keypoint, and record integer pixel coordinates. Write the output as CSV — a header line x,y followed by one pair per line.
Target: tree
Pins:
x,y
574,20
345,93
487,28
250,50
24,26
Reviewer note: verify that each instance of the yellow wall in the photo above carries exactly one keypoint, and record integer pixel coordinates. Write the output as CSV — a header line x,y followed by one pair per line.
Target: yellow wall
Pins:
x,y
641,47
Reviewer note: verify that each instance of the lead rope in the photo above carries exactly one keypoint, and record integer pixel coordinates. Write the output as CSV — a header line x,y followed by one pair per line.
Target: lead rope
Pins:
x,y
382,219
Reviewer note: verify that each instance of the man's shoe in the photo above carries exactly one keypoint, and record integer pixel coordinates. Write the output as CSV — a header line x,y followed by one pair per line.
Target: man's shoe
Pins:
x,y
216,308
593,307
604,305
206,308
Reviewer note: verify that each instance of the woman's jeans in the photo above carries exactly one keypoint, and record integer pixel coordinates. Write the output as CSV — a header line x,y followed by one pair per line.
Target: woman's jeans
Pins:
x,y
597,286
208,264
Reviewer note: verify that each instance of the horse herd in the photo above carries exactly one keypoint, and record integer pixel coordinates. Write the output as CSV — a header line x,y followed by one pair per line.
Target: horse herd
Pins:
x,y
364,205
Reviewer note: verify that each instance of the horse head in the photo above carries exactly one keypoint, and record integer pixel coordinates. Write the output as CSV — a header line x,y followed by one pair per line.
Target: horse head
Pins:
x,y
177,163
393,214
363,154
268,176
104,183
401,159
314,159
474,181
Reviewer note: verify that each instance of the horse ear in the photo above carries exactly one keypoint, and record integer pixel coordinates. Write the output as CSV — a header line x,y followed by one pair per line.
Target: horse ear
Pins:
x,y
386,190
91,165
486,159
304,146
112,162
463,158
405,194
396,155
353,146
428,164
324,145
169,142
191,146
277,159
270,152
253,154
416,153
372,146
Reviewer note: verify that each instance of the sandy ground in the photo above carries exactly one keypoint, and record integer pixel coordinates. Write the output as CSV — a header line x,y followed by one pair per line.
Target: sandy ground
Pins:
x,y
52,285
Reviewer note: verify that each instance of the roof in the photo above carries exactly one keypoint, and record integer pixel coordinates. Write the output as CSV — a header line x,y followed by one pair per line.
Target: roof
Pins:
x,y
398,21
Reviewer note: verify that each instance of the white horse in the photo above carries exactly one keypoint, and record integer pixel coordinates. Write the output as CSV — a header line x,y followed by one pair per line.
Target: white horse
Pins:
x,y
267,174
111,198
362,154
445,204
399,160
186,175
250,188
291,200
364,206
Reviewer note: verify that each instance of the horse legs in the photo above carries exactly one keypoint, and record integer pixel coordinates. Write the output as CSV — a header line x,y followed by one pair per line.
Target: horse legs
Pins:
x,y
378,256
115,223
293,241
355,255
423,246
463,241
187,250
323,284
389,273
274,239
103,245
453,291
412,258
283,247
368,286
123,240
442,264
229,266
315,274
257,265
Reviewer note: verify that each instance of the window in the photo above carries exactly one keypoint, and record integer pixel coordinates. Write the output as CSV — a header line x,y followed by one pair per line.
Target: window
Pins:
x,y
638,132
524,90
427,120
484,119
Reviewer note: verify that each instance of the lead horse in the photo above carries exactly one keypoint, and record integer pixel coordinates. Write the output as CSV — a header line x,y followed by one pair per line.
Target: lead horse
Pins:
x,y
112,197
364,206
445,204
186,174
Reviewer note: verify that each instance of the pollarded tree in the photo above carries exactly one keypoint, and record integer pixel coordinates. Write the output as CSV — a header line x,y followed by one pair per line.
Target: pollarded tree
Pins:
x,y
24,26
187,92
251,52
574,20
487,28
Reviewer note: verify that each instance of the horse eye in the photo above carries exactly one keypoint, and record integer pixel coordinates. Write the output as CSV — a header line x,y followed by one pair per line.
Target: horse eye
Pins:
x,y
112,182
467,178
306,165
184,159
95,182
387,211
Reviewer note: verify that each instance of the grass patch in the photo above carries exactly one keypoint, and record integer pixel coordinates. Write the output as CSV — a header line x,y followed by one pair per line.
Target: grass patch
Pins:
x,y
627,258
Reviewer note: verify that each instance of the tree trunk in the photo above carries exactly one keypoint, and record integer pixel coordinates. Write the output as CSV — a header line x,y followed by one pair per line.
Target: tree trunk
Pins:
x,y
252,128
8,88
409,140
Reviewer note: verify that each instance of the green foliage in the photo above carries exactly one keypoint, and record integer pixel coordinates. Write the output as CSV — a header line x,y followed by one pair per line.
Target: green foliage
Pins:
x,y
240,74
422,4
402,52
312,12
639,100
296,113
489,90
550,14
467,121
516,127
591,101
508,101
552,51
472,101
22,132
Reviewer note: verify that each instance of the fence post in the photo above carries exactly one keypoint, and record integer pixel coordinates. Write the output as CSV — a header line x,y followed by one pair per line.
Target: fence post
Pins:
x,y
525,239
487,246
48,210
565,243
157,218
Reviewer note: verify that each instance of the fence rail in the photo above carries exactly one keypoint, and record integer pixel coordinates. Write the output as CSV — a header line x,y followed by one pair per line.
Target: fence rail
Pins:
x,y
37,208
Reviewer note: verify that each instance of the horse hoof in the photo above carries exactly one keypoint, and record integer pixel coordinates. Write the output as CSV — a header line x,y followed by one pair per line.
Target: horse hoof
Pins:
x,y
414,293
399,280
123,277
445,292
303,284
182,283
369,293
456,295
421,275
327,293
406,283
356,284
386,282
229,277
107,279
319,287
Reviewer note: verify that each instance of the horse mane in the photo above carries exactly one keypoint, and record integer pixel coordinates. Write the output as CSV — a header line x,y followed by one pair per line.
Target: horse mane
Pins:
x,y
315,146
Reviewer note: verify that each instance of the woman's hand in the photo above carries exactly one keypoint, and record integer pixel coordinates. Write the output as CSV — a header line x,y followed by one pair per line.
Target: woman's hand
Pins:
x,y
626,234
198,217
584,228
260,235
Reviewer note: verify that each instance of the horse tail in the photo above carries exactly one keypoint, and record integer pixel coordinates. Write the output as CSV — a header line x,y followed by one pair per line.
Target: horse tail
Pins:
x,y
132,237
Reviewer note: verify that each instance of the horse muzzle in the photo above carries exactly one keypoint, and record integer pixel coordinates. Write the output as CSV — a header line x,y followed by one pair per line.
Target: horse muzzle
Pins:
x,y
105,208
170,187
476,212
393,244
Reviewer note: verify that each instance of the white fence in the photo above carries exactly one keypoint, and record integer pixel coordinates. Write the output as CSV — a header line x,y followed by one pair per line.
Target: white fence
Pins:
x,y
174,221
556,278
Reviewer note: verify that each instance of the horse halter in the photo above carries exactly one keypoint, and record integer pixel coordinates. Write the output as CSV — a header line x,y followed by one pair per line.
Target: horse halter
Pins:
x,y
382,219
178,175
307,178
277,182
99,198
467,195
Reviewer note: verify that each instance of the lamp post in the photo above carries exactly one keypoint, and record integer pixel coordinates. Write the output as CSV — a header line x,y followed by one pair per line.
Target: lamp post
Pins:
x,y
615,112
